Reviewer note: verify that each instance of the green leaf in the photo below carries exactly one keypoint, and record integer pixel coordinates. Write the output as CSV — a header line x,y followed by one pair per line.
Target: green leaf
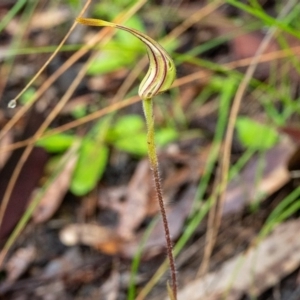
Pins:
x,y
109,61
254,135
165,135
126,126
89,169
92,160
56,143
135,144
128,134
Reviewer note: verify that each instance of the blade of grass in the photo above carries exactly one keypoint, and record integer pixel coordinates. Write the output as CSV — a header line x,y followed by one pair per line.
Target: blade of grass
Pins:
x,y
260,14
284,209
136,260
226,96
12,12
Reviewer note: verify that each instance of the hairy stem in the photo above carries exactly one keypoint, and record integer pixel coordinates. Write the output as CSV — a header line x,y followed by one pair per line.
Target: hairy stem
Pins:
x,y
148,110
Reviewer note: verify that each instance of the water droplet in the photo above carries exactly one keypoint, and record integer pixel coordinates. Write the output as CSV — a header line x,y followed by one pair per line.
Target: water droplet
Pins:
x,y
12,103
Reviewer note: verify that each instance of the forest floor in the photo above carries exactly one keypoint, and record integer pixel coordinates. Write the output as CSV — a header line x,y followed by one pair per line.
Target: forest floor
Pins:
x,y
79,218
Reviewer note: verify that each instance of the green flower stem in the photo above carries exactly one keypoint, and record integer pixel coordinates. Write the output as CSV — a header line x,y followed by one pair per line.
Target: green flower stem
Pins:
x,y
159,78
148,111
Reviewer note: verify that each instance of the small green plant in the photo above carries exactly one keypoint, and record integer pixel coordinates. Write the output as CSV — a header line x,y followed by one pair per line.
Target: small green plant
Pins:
x,y
254,135
159,78
125,134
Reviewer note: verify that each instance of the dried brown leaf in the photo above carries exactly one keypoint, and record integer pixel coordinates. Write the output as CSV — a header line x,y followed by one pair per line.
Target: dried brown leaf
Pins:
x,y
252,272
112,198
55,192
66,263
110,289
4,142
245,189
19,263
176,215
292,132
135,205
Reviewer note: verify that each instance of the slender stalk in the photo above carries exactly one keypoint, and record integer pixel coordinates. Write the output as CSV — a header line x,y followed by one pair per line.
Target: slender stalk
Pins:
x,y
159,78
148,111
